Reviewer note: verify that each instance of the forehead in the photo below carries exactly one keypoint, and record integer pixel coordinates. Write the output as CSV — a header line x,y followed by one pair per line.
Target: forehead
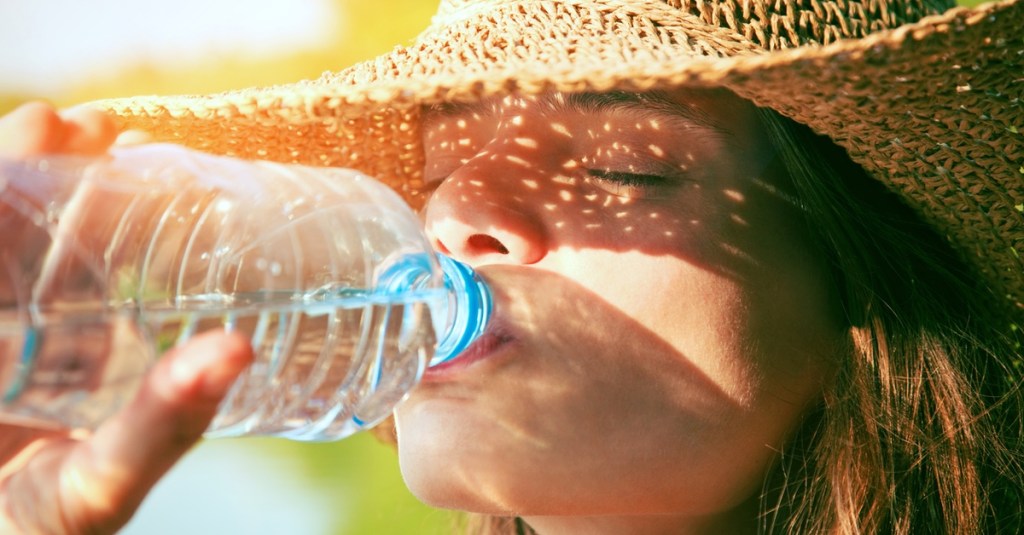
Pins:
x,y
655,101
710,112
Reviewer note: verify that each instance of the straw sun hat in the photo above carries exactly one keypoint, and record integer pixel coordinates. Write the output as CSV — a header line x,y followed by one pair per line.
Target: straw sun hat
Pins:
x,y
929,99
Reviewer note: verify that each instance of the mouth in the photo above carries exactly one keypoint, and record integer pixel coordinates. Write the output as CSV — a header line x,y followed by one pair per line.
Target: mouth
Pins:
x,y
484,348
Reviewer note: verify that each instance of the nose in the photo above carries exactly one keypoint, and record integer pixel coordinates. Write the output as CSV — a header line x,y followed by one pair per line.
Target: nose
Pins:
x,y
479,217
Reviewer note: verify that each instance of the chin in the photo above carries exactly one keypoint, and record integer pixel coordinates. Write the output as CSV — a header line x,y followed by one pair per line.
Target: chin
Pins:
x,y
447,463
445,483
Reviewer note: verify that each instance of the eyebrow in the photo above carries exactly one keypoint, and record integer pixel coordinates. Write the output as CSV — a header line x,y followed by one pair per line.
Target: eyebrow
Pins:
x,y
652,101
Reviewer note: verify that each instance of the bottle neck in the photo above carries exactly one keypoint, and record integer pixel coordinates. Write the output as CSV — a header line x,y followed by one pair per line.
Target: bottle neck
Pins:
x,y
472,302
463,315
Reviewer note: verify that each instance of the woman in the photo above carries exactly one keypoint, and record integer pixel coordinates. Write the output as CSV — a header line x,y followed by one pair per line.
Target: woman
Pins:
x,y
708,318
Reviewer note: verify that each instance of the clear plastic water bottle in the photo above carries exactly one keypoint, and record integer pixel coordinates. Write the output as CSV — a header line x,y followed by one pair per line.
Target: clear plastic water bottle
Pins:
x,y
104,265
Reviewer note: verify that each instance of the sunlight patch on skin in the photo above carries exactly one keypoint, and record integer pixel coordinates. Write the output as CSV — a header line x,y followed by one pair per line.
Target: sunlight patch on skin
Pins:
x,y
736,218
528,142
464,142
561,129
518,161
530,183
565,195
550,206
563,180
733,194
656,150
738,253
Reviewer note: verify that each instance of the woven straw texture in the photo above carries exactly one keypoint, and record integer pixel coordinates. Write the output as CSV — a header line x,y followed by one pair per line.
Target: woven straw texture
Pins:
x,y
930,104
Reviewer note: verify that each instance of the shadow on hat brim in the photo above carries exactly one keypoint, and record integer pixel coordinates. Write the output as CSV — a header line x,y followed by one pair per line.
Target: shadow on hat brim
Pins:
x,y
933,109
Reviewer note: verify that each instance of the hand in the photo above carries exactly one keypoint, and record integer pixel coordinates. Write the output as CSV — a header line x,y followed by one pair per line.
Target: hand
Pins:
x,y
36,128
69,482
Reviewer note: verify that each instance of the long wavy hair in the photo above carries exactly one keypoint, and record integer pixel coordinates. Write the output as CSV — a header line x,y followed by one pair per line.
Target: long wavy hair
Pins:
x,y
921,430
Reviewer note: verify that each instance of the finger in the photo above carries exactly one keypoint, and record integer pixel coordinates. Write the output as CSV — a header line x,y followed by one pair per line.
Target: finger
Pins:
x,y
106,477
87,132
31,129
37,128
16,439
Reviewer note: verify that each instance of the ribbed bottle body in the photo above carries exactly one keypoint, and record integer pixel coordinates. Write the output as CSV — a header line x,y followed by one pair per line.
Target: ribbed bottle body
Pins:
x,y
117,261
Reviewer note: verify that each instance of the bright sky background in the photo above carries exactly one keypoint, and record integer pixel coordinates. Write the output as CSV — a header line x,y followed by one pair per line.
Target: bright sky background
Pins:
x,y
46,45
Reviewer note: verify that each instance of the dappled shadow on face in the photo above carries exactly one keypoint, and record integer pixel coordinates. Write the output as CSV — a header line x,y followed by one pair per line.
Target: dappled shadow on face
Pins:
x,y
580,402
653,292
693,181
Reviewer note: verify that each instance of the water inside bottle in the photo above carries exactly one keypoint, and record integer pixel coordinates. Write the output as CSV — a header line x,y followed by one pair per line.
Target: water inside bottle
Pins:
x,y
329,362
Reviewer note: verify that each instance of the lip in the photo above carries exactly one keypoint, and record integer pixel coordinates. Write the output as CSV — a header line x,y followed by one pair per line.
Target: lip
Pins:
x,y
490,343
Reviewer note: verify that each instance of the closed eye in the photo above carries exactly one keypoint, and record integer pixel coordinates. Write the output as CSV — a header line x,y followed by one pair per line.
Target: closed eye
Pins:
x,y
629,185
626,178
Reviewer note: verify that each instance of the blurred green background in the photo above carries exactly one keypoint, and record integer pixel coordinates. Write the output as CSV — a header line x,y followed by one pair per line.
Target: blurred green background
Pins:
x,y
67,52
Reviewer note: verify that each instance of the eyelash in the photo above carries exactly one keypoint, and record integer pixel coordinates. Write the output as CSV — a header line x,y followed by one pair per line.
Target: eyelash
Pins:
x,y
629,185
619,183
629,179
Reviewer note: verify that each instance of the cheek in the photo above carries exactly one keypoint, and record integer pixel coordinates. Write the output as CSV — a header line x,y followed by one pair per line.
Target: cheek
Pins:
x,y
766,345
647,382
743,338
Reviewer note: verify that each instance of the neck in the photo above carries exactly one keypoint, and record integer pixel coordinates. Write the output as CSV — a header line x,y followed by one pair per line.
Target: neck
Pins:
x,y
740,520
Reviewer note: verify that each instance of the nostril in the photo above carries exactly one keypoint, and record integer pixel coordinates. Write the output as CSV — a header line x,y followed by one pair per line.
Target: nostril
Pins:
x,y
484,243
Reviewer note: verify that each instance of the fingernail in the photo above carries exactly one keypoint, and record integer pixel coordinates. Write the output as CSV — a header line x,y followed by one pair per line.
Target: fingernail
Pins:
x,y
132,137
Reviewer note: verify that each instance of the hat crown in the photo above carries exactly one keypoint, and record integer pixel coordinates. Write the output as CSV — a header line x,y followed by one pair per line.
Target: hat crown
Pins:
x,y
770,24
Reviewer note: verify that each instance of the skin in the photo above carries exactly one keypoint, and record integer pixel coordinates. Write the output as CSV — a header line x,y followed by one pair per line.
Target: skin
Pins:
x,y
55,481
661,324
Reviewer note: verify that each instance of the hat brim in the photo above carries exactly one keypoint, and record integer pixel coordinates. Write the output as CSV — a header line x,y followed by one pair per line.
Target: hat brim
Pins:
x,y
934,109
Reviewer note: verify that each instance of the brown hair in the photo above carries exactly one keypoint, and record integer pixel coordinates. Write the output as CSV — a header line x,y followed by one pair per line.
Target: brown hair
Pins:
x,y
921,431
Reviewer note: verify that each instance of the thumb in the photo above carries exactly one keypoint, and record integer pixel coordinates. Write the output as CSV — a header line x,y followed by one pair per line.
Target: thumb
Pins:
x,y
106,477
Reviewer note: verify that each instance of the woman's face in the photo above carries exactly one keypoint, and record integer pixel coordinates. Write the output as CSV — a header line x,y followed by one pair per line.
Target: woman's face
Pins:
x,y
661,324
